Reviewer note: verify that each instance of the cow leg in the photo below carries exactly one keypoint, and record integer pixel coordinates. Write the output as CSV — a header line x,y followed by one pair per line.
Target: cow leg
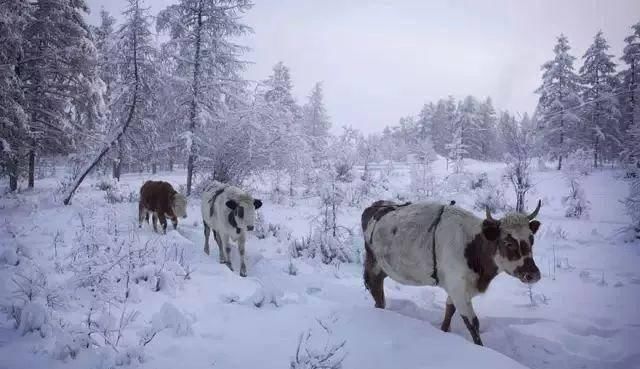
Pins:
x,y
174,222
146,216
141,214
243,267
450,310
469,317
207,233
154,220
163,222
222,257
374,278
227,250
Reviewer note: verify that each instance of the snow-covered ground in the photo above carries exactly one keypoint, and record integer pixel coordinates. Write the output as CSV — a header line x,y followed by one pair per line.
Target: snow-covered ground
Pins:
x,y
582,314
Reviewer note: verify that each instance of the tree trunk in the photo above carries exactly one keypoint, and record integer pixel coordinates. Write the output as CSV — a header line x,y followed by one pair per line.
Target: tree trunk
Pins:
x,y
171,164
13,174
32,167
194,100
595,153
190,173
154,168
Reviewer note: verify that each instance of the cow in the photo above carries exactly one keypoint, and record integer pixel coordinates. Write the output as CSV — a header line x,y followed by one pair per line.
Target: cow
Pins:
x,y
431,244
160,199
230,213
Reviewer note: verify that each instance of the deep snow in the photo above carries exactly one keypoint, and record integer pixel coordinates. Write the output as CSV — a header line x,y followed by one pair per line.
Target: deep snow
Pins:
x,y
584,312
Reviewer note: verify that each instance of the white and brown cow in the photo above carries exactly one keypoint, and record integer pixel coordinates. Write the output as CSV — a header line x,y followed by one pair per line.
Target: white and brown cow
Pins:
x,y
427,244
229,212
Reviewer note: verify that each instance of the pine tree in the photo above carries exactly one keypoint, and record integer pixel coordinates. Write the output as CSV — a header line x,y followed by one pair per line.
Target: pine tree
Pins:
x,y
316,122
59,72
441,129
425,121
600,114
559,101
467,126
457,150
487,141
14,121
630,97
201,41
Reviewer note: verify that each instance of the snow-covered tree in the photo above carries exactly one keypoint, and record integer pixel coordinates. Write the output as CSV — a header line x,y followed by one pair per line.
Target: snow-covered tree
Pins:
x,y
441,128
62,90
457,151
316,122
135,40
487,140
518,157
600,114
14,120
425,121
202,43
630,96
559,101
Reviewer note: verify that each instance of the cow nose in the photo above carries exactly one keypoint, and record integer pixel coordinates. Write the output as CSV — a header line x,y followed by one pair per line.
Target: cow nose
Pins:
x,y
250,228
531,277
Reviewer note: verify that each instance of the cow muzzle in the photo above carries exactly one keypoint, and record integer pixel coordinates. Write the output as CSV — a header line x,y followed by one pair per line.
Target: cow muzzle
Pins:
x,y
528,273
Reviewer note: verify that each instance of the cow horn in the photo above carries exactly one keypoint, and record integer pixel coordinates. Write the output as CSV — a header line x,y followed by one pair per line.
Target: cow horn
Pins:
x,y
489,217
535,212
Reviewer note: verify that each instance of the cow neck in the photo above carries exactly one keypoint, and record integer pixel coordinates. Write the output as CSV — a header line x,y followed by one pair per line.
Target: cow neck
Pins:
x,y
480,254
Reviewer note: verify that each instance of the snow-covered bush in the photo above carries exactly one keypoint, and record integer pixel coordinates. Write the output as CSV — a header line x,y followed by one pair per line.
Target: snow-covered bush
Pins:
x,y
480,181
423,182
579,162
518,173
314,353
33,317
490,196
576,203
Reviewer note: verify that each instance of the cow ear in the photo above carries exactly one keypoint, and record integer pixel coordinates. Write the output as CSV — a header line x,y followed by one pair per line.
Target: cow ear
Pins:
x,y
534,225
491,229
231,204
257,203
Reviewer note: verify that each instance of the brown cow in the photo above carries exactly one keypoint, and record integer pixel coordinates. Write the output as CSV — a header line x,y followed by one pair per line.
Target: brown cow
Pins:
x,y
163,201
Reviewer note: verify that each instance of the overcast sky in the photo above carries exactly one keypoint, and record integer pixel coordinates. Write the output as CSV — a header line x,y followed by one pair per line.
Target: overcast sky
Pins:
x,y
380,60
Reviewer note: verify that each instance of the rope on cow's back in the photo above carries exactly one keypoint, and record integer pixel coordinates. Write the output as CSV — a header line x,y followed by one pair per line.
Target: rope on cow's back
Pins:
x,y
432,229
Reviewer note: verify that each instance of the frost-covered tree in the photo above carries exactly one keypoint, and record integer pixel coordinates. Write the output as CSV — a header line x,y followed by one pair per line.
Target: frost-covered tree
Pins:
x,y
63,93
559,101
630,96
441,128
316,122
14,121
518,158
457,151
202,43
487,140
600,113
424,122
466,141
135,40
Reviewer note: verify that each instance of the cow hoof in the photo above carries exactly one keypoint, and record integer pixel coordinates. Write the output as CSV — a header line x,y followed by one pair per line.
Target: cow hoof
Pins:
x,y
206,250
243,272
229,266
